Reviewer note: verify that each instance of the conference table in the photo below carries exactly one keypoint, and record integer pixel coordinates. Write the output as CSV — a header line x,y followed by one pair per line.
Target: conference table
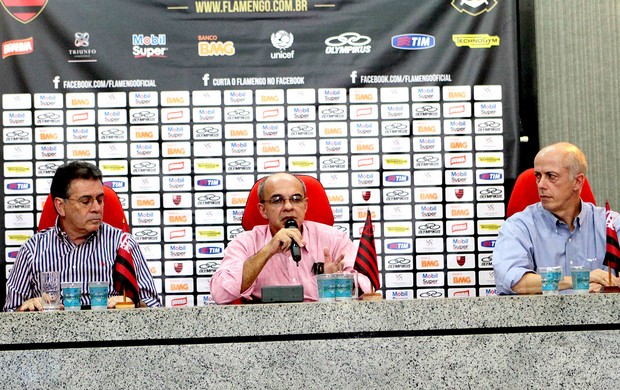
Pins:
x,y
564,341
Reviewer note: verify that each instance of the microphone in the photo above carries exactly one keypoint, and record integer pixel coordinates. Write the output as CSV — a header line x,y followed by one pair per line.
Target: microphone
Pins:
x,y
290,223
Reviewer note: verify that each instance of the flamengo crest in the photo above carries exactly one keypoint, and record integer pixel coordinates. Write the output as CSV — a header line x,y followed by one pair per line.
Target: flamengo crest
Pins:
x,y
474,7
24,10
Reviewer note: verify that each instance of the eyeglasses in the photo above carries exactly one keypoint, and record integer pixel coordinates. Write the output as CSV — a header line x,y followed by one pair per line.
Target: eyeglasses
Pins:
x,y
278,201
88,200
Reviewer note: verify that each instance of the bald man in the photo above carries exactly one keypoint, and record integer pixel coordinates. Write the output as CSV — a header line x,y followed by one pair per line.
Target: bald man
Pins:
x,y
262,256
560,230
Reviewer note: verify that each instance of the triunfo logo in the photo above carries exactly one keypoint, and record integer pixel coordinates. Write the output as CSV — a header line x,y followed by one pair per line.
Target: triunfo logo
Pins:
x,y
209,46
474,7
475,41
17,47
149,46
24,11
413,41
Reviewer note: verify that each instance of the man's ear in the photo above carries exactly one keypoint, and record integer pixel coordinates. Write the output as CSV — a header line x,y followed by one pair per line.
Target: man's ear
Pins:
x,y
262,210
59,205
579,180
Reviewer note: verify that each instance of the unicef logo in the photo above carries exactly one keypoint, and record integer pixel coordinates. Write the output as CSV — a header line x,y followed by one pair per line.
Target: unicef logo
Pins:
x,y
282,40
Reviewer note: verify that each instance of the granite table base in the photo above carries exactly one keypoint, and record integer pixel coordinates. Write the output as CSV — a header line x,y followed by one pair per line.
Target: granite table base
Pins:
x,y
351,345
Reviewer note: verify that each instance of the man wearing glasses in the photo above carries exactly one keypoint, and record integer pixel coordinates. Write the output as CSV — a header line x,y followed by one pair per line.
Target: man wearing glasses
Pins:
x,y
262,257
80,246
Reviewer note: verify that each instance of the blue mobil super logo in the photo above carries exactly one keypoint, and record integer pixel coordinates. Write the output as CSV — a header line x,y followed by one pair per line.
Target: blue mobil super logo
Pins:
x,y
413,41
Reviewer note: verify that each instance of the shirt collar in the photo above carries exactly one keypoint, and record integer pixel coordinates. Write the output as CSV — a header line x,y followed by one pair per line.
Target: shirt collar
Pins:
x,y
63,235
553,221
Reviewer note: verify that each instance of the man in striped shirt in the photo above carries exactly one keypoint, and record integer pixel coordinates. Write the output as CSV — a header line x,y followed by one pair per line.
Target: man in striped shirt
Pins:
x,y
80,246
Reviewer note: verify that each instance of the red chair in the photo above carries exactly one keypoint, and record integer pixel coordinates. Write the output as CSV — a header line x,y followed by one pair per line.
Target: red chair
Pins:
x,y
319,209
113,213
525,193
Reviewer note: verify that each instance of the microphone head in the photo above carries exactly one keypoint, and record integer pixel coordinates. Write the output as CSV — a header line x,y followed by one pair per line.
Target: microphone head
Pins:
x,y
290,223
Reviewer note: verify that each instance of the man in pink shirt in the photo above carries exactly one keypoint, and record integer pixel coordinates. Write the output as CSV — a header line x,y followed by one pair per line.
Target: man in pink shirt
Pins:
x,y
262,256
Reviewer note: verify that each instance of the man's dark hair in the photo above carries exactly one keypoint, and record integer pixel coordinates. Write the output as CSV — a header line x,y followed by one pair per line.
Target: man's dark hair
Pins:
x,y
66,173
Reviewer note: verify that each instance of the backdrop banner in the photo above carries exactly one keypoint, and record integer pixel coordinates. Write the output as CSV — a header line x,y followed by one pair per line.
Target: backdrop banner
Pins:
x,y
406,108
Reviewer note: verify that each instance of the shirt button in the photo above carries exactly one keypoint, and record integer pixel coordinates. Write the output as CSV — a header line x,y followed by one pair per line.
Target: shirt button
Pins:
x,y
570,239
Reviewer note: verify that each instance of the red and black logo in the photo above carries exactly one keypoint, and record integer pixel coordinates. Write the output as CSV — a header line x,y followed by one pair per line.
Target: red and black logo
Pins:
x,y
24,10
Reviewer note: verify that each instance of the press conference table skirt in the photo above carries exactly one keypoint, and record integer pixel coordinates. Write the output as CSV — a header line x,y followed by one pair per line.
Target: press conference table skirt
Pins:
x,y
494,342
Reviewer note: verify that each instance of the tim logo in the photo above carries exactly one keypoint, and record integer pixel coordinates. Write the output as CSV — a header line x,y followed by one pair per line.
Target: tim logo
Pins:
x,y
413,41
24,11
488,244
210,250
209,182
114,184
398,245
396,178
474,7
18,186
491,176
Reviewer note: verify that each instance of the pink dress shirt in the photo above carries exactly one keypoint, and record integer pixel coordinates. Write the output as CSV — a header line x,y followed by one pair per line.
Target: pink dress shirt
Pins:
x,y
281,270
